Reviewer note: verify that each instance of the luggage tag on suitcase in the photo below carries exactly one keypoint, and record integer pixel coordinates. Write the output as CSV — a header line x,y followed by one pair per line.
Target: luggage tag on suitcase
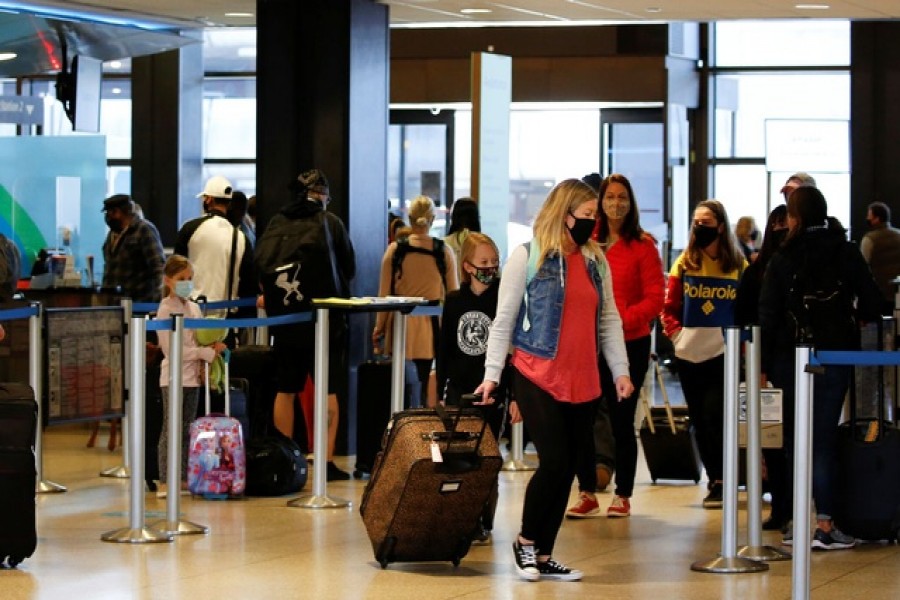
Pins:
x,y
436,455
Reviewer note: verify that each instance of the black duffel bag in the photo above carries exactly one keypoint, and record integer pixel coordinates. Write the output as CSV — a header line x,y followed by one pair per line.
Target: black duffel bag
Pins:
x,y
275,466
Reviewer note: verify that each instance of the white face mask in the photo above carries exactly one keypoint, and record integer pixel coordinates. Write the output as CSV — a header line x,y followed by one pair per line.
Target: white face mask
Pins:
x,y
183,289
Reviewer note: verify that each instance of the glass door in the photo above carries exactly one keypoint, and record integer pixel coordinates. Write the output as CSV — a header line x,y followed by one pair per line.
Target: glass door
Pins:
x,y
420,161
632,143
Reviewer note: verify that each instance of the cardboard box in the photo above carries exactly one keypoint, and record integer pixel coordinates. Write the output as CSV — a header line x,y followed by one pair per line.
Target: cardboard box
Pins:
x,y
771,430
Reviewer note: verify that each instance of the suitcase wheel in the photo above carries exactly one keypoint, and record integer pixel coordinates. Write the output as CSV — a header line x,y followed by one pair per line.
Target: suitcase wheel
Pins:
x,y
455,561
13,562
385,550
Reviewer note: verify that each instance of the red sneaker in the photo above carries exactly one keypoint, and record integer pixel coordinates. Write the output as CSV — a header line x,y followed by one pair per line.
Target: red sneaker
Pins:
x,y
586,507
620,507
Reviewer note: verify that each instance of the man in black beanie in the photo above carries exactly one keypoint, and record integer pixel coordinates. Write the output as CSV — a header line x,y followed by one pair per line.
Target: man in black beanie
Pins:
x,y
310,250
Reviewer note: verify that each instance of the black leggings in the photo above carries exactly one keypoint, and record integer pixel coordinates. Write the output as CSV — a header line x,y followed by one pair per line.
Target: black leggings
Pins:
x,y
621,417
558,431
703,385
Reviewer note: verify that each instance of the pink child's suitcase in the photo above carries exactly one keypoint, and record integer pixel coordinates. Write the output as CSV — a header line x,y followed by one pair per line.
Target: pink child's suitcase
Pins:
x,y
217,465
216,462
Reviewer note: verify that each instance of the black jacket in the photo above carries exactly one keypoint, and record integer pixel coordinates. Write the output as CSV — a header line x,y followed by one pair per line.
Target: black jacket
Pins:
x,y
813,246
465,325
301,208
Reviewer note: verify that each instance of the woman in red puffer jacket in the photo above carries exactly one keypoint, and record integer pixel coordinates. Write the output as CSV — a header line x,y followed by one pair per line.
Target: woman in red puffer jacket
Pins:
x,y
639,289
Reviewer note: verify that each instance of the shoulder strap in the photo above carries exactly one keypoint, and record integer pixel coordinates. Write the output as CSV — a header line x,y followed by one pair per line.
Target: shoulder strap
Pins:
x,y
338,288
440,258
404,247
397,260
534,254
231,262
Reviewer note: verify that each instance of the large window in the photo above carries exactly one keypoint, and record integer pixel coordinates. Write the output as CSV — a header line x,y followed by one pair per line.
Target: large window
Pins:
x,y
774,43
766,70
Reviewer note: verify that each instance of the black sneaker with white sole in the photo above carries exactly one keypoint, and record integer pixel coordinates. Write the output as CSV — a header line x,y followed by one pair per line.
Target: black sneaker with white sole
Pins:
x,y
526,561
551,569
832,540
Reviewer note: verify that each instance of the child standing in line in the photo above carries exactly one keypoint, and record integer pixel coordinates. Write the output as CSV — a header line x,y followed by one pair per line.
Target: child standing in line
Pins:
x,y
177,288
468,314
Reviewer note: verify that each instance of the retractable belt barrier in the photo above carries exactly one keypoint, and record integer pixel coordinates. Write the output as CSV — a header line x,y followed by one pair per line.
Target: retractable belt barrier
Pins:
x,y
137,532
807,363
164,530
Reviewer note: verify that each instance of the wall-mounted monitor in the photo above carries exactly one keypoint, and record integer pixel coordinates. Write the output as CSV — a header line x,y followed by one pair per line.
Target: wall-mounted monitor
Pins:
x,y
79,91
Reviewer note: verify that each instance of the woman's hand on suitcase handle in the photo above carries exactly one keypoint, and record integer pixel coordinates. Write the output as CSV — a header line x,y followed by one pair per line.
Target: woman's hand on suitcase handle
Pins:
x,y
624,387
485,390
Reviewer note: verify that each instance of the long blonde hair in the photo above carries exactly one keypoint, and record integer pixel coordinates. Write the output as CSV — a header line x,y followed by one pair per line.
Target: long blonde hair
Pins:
x,y
175,264
550,223
469,246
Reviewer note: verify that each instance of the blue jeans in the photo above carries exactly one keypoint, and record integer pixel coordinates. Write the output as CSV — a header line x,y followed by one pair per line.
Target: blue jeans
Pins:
x,y
829,390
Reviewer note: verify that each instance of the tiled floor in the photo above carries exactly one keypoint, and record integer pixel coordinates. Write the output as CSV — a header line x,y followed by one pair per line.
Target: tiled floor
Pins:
x,y
259,548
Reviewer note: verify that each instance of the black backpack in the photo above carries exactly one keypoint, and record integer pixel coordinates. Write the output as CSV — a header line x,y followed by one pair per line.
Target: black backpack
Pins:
x,y
275,466
820,305
295,262
404,248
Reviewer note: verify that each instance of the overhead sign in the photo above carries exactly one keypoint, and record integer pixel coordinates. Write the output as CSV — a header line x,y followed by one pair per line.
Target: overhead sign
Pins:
x,y
21,110
811,145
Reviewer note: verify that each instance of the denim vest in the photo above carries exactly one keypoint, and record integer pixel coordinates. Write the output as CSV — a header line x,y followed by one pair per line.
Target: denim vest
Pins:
x,y
537,324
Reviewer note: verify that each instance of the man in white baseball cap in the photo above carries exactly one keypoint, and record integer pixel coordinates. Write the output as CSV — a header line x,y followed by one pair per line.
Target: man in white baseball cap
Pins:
x,y
220,253
799,179
216,187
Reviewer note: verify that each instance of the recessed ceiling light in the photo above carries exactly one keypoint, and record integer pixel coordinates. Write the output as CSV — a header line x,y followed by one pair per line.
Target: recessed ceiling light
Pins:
x,y
244,15
117,90
653,9
7,55
812,6
115,64
475,11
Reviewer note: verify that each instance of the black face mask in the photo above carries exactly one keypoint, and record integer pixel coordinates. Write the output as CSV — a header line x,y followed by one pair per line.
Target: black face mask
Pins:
x,y
115,225
705,234
582,230
778,236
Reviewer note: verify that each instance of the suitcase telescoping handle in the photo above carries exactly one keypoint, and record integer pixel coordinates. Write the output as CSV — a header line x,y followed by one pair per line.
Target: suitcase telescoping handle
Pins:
x,y
670,416
451,423
207,396
872,435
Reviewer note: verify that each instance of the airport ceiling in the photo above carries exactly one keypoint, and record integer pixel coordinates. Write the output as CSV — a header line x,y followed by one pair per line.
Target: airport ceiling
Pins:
x,y
203,13
45,34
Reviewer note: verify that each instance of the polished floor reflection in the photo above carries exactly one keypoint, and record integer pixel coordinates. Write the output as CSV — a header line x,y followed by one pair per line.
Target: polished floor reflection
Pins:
x,y
259,548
